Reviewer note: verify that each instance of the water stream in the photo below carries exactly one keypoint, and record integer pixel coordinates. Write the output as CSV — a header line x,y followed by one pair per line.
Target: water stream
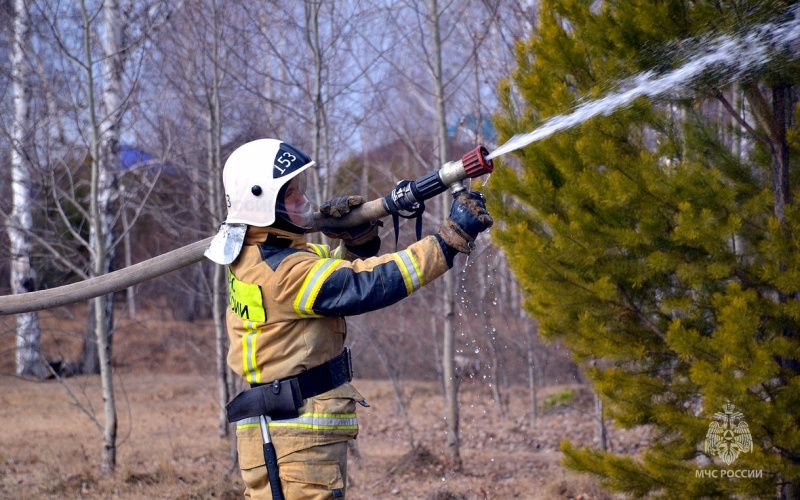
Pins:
x,y
731,54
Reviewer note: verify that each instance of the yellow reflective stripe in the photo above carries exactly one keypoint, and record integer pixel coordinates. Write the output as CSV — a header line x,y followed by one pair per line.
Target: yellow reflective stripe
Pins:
x,y
321,421
319,427
245,355
406,278
417,274
409,269
337,254
251,371
325,421
320,250
311,285
304,287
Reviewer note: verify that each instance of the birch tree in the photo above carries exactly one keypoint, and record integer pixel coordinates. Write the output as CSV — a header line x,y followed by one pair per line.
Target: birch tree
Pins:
x,y
104,143
28,358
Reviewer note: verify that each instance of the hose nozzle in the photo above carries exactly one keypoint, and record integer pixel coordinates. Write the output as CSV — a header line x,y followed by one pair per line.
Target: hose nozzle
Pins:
x,y
408,197
471,165
475,163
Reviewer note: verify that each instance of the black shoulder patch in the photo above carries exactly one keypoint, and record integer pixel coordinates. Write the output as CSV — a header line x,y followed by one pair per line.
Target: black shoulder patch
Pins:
x,y
273,256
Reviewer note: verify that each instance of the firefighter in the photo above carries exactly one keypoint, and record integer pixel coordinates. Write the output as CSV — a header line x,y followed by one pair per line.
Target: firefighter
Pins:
x,y
288,300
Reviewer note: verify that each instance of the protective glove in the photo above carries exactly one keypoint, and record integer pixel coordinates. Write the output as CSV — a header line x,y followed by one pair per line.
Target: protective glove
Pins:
x,y
468,217
339,207
354,236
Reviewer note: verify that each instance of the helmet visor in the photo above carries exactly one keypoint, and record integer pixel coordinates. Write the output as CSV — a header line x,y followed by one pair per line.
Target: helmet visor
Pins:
x,y
293,204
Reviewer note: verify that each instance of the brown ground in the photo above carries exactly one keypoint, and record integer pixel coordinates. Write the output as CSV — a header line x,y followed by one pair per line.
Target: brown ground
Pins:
x,y
169,446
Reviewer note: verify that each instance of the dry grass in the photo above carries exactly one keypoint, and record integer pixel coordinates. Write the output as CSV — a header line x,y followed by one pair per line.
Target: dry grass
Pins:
x,y
169,446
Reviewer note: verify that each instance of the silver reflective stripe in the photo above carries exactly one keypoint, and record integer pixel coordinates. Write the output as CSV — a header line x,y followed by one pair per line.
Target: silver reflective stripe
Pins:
x,y
246,423
411,267
314,278
320,250
342,421
332,421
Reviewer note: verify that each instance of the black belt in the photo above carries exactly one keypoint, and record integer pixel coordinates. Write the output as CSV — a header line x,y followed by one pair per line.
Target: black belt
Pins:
x,y
282,398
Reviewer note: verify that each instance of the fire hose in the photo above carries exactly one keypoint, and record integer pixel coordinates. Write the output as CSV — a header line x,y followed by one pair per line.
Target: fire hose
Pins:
x,y
406,200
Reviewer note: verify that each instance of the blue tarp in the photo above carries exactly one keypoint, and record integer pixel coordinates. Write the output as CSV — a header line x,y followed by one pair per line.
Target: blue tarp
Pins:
x,y
130,157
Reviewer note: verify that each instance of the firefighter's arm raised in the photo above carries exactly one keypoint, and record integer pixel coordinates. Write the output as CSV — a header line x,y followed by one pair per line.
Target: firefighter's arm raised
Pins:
x,y
325,287
319,287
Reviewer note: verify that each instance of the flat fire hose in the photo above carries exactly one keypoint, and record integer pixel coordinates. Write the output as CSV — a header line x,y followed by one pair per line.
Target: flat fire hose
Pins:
x,y
105,284
155,267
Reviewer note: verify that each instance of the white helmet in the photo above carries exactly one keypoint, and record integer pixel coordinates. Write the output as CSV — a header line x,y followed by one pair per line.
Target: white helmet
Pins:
x,y
253,178
254,175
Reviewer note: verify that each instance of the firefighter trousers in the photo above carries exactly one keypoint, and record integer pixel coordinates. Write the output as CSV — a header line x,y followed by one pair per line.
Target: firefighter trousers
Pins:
x,y
316,473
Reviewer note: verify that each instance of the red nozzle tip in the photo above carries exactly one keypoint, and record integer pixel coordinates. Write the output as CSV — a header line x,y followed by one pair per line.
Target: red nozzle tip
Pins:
x,y
475,162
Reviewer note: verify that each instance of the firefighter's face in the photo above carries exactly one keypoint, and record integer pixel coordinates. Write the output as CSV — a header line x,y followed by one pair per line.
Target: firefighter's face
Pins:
x,y
296,207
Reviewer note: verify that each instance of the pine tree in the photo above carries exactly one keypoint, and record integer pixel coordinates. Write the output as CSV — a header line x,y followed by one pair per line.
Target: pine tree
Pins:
x,y
652,242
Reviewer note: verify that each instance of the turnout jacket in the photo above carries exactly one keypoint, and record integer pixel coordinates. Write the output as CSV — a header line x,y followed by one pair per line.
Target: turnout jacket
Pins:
x,y
288,300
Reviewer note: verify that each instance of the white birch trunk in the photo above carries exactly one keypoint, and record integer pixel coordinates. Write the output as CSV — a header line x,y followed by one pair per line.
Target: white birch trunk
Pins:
x,y
109,161
104,137
29,361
